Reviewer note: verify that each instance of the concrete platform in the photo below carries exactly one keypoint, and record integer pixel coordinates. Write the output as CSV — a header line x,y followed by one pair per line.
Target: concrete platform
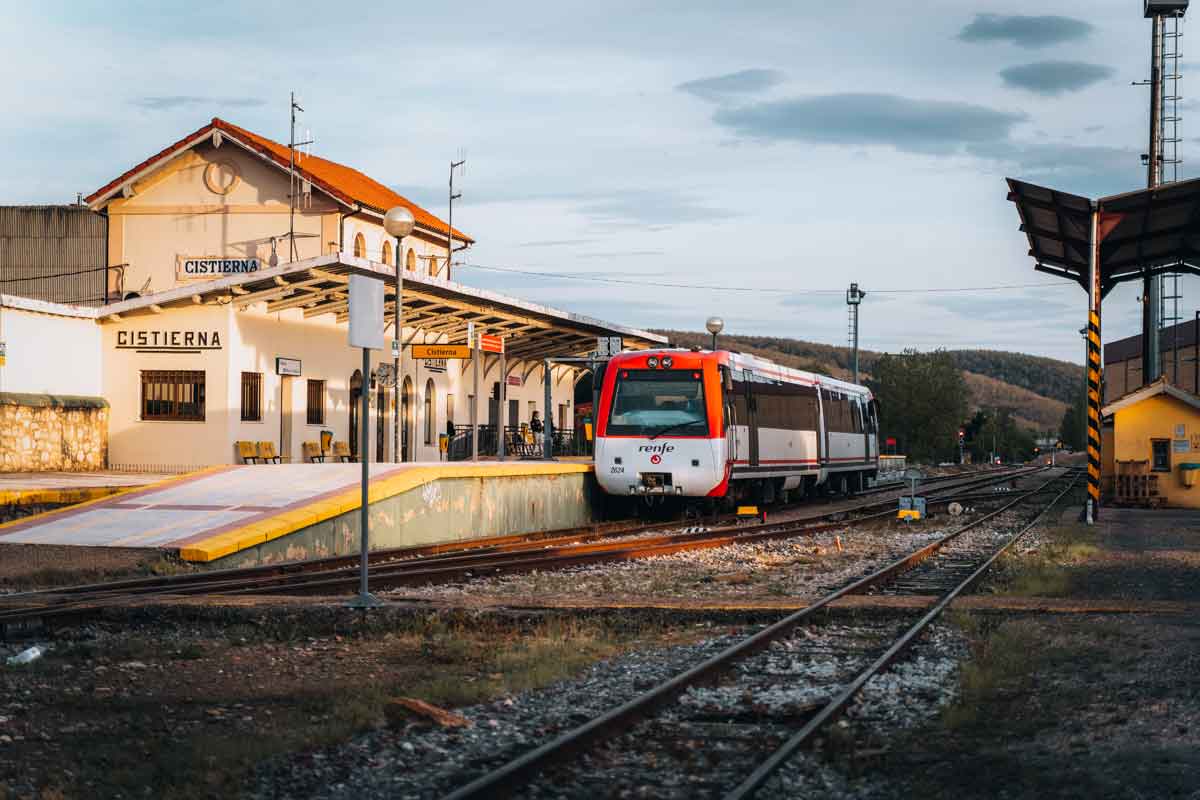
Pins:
x,y
240,515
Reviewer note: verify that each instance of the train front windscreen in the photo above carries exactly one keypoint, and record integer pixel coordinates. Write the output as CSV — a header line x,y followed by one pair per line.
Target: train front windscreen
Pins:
x,y
655,402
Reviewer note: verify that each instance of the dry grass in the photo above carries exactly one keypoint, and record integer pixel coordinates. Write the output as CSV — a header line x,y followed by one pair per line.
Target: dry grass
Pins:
x,y
1006,659
1046,570
54,577
275,694
1035,411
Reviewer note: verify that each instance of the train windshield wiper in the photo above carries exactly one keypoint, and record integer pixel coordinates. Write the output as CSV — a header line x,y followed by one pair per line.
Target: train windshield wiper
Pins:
x,y
661,431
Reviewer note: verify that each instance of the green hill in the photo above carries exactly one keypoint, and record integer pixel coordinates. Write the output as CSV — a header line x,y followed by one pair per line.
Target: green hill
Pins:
x,y
1038,389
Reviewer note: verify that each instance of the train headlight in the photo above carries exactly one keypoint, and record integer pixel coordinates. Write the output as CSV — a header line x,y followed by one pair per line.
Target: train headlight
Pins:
x,y
652,362
667,362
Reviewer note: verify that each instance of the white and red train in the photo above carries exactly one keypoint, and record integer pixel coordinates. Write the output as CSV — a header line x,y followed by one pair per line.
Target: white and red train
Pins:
x,y
727,426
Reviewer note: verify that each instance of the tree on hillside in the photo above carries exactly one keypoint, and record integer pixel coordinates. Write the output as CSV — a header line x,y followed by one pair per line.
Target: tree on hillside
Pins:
x,y
922,402
1071,431
994,431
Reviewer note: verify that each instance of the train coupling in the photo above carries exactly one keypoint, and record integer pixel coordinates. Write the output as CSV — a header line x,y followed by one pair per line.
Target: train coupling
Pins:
x,y
655,483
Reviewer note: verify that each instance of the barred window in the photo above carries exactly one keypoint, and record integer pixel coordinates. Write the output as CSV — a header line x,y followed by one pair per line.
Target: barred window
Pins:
x,y
316,402
173,395
251,397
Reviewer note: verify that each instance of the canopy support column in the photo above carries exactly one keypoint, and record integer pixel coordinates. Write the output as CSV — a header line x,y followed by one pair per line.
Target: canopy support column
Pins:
x,y
1094,369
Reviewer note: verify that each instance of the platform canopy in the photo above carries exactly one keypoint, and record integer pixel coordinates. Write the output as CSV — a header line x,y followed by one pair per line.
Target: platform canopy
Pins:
x,y
1151,231
434,310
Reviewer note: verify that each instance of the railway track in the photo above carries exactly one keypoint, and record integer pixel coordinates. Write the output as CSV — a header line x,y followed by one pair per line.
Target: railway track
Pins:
x,y
724,727
417,566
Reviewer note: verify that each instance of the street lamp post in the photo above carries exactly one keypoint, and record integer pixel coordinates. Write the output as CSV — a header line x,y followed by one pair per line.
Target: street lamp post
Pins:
x,y
397,222
715,325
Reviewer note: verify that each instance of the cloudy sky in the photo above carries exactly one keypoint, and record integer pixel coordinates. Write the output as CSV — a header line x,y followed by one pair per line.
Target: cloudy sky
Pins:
x,y
665,161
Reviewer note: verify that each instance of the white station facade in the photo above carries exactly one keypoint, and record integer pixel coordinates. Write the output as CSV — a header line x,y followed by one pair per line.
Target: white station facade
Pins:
x,y
228,307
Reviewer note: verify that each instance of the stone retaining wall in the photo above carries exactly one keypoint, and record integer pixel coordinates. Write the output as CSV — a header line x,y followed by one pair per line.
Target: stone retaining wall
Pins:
x,y
47,432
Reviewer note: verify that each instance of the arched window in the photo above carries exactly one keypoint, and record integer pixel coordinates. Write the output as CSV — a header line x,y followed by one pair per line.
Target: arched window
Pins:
x,y
433,266
387,252
360,246
410,261
430,412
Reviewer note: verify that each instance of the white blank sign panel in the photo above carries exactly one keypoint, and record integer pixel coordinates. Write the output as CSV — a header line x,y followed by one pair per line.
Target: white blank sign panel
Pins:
x,y
366,312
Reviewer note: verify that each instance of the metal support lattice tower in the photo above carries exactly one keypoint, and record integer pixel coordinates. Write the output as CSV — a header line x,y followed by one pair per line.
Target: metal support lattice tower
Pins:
x,y
1151,324
1168,289
854,297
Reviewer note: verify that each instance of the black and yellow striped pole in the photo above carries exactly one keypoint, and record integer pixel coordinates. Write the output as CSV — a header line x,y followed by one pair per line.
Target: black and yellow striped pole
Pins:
x,y
1094,369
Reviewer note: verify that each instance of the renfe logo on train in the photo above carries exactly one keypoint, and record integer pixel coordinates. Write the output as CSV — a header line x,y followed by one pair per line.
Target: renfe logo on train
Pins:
x,y
656,448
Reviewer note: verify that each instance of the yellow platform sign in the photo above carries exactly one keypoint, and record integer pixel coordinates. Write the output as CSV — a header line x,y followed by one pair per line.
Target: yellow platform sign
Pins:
x,y
441,351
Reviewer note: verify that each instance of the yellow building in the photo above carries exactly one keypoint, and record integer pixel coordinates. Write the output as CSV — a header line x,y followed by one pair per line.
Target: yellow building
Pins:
x,y
1155,432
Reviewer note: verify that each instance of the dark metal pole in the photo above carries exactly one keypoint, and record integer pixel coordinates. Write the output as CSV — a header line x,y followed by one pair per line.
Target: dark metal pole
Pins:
x,y
396,357
714,347
547,424
476,355
501,401
1151,286
364,599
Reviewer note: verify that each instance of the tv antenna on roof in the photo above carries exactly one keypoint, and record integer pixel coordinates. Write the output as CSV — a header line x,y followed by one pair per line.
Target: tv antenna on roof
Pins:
x,y
295,182
459,163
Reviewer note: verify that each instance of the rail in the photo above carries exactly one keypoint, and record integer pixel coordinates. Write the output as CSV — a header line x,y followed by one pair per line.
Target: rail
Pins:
x,y
451,561
507,778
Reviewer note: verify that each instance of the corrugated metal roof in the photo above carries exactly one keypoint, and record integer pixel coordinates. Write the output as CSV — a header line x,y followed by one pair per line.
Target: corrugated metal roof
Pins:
x,y
1152,230
54,253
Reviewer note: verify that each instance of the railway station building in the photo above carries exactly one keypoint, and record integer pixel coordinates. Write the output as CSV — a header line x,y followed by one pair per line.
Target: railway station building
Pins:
x,y
221,309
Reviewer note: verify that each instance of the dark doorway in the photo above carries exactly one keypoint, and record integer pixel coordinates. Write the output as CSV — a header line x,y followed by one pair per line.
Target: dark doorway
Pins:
x,y
406,420
380,422
356,389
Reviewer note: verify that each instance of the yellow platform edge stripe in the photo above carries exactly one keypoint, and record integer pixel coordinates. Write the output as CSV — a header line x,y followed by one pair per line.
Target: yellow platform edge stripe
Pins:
x,y
292,520
110,493
57,497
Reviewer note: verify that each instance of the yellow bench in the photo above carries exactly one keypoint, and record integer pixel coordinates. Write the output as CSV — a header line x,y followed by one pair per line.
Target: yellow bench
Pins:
x,y
341,451
247,452
267,454
312,452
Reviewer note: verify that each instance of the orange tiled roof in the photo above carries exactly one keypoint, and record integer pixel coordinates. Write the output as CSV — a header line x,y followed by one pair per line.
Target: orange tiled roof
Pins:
x,y
345,183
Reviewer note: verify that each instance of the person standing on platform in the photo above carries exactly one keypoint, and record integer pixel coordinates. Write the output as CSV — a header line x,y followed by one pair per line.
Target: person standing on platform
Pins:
x,y
535,425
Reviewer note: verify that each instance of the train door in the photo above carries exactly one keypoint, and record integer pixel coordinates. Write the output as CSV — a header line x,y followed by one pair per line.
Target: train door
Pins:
x,y
751,416
873,432
823,431
729,410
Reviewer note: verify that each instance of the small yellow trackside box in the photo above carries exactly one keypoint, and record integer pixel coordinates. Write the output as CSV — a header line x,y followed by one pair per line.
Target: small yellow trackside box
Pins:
x,y
908,513
747,511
